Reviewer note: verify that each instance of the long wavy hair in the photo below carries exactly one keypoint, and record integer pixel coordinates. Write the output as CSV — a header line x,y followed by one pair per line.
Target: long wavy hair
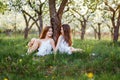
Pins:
x,y
44,32
67,34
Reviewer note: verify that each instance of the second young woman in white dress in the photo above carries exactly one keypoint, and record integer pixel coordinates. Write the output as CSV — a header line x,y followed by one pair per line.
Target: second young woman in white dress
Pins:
x,y
64,44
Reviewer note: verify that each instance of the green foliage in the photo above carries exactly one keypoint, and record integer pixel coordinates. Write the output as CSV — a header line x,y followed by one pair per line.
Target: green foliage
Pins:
x,y
16,5
3,7
92,4
100,57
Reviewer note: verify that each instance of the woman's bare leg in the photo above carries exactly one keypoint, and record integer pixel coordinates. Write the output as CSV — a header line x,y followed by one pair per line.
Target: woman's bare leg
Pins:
x,y
76,49
33,45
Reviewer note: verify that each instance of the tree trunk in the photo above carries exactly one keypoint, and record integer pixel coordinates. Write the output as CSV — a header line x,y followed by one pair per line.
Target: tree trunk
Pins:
x,y
40,18
26,28
82,33
115,26
95,32
116,34
116,29
112,33
41,24
115,20
39,13
27,21
83,23
99,31
26,33
56,28
55,17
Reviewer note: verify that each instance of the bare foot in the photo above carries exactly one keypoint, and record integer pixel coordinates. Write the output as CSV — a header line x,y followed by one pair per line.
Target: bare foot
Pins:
x,y
79,50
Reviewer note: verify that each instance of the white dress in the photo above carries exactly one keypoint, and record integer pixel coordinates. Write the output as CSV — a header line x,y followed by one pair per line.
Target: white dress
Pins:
x,y
45,48
63,46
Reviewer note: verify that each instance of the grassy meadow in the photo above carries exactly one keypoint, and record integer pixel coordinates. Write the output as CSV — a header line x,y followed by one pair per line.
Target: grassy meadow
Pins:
x,y
99,61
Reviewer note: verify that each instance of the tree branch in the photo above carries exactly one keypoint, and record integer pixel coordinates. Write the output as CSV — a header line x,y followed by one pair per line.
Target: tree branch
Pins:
x,y
110,8
61,8
118,7
113,20
33,23
31,17
52,8
76,12
32,7
118,19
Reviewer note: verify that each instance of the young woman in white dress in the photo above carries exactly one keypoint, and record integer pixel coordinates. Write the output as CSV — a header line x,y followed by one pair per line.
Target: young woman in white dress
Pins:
x,y
45,44
64,44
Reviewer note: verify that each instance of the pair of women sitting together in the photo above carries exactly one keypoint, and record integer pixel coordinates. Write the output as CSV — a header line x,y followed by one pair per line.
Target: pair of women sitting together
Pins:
x,y
46,44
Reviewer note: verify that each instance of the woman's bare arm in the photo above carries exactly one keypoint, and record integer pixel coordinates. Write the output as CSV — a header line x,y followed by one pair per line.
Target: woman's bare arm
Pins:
x,y
58,42
53,44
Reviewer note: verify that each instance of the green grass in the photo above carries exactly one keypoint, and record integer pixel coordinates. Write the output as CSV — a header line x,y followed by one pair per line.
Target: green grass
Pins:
x,y
102,58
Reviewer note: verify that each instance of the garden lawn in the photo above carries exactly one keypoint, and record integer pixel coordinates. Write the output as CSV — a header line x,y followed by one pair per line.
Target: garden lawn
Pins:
x,y
99,61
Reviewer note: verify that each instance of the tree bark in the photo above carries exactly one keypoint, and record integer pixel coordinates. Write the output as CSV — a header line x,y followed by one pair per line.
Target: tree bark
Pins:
x,y
82,33
26,33
83,23
116,34
116,28
55,17
28,27
39,13
40,18
99,31
41,24
117,24
95,31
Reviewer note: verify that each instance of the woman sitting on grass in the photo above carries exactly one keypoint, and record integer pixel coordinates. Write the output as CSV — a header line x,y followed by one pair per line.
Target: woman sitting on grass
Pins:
x,y
64,44
44,45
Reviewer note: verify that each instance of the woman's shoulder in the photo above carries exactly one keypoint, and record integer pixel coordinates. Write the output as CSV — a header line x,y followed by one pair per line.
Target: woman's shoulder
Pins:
x,y
60,37
44,40
51,40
